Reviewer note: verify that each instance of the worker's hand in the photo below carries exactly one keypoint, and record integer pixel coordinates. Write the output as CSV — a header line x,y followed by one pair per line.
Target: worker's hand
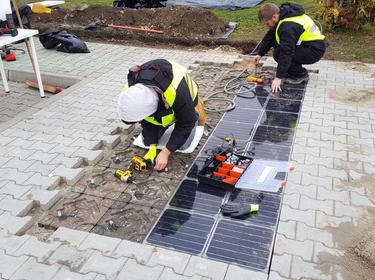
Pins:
x,y
151,154
162,159
257,59
276,85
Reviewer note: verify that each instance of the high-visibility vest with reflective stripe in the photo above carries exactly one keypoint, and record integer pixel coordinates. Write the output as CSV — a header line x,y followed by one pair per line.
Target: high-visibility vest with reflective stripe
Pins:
x,y
169,96
311,33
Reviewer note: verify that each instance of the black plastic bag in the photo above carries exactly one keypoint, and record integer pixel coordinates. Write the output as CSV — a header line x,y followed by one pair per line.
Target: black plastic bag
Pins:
x,y
47,38
67,42
70,43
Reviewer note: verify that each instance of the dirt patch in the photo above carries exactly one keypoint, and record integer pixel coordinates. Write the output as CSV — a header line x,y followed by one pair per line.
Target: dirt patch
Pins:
x,y
358,66
354,96
358,247
182,25
174,21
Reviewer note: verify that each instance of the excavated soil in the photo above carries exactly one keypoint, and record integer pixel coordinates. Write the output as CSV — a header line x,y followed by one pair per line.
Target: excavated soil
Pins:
x,y
364,97
182,25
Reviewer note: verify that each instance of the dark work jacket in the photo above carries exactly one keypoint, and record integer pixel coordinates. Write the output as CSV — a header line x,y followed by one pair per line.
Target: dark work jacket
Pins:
x,y
289,33
183,106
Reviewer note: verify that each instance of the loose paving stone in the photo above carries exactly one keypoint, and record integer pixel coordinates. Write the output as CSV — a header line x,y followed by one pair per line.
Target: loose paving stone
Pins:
x,y
76,211
43,198
68,235
13,224
70,175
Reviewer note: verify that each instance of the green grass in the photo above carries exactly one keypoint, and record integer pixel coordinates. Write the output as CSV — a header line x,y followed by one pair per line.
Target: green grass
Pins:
x,y
344,44
250,28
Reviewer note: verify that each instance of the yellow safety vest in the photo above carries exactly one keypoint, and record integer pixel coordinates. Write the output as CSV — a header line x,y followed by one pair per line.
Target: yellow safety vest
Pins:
x,y
169,96
311,33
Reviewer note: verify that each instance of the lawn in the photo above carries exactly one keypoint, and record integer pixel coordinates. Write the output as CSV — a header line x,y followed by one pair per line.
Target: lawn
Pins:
x,y
343,44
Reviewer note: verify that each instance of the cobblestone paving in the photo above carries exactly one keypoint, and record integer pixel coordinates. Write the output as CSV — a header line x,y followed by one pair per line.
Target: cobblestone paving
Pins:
x,y
333,152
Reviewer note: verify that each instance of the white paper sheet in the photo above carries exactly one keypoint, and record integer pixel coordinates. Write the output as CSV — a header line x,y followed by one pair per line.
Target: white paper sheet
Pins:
x,y
164,140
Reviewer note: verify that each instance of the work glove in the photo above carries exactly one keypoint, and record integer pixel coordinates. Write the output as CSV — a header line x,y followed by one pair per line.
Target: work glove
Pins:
x,y
238,209
151,154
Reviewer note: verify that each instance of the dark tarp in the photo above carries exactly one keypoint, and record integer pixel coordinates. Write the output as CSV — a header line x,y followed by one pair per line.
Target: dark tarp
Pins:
x,y
216,4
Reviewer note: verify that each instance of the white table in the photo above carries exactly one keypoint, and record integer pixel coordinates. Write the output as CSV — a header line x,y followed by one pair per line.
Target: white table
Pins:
x,y
26,34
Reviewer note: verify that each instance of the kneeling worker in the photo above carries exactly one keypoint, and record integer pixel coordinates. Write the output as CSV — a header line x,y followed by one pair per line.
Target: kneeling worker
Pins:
x,y
295,38
160,93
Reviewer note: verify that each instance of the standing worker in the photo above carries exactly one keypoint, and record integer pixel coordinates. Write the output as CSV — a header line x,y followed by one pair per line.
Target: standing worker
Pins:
x,y
295,38
160,93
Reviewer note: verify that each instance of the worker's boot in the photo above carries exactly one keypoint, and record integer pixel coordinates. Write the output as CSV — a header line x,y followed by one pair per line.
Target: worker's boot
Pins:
x,y
297,80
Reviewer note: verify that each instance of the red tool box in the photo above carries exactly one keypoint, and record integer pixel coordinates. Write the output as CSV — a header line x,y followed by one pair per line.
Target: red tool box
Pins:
x,y
223,169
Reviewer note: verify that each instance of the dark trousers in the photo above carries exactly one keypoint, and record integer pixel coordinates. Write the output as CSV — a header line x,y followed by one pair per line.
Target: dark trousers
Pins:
x,y
302,55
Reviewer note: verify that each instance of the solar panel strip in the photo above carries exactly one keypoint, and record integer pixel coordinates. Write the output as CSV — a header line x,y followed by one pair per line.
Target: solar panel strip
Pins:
x,y
283,105
269,206
238,130
202,198
269,151
242,115
246,245
181,231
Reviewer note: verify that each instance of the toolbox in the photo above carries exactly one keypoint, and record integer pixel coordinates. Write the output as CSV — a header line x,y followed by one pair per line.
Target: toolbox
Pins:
x,y
224,169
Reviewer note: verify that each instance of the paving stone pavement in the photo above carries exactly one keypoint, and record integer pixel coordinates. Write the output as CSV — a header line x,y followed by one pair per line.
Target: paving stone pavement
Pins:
x,y
333,151
328,191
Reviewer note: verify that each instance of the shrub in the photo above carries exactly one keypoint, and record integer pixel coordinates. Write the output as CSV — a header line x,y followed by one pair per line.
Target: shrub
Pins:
x,y
348,13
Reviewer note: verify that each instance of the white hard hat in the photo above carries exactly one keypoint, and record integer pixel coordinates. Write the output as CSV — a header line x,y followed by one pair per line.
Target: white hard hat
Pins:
x,y
137,103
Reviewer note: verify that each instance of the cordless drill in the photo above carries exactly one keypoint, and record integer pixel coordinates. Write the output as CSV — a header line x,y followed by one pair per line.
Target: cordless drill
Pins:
x,y
124,175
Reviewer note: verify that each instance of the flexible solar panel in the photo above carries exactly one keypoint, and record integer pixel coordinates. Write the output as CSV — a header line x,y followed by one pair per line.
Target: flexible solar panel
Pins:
x,y
242,115
269,206
266,151
195,196
283,105
255,103
247,245
274,135
181,231
240,131
280,119
193,223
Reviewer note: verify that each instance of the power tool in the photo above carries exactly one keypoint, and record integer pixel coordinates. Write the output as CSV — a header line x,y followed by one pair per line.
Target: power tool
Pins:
x,y
124,175
140,164
255,79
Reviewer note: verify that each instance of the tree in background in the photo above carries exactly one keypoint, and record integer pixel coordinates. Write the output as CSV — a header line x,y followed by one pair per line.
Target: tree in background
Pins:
x,y
348,13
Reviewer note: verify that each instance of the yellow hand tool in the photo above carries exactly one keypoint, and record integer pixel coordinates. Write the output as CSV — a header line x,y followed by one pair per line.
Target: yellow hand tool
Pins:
x,y
254,79
124,175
